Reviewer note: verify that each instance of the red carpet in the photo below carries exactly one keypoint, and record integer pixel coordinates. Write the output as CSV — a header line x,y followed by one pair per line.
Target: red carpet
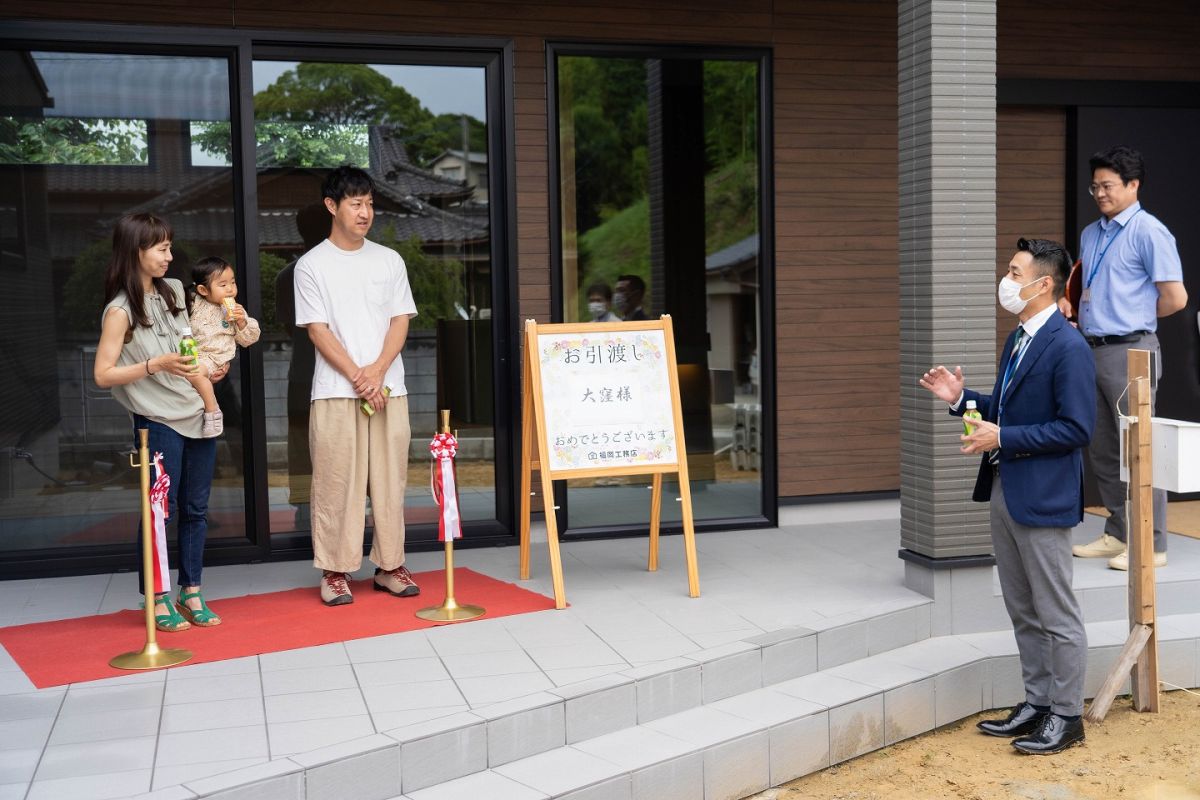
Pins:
x,y
74,650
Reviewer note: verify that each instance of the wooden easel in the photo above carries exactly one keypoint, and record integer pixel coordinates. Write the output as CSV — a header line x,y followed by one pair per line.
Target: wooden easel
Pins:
x,y
534,438
1139,656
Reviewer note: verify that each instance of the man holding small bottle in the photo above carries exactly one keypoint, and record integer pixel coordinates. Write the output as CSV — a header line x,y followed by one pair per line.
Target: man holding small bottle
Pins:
x,y
353,297
1035,424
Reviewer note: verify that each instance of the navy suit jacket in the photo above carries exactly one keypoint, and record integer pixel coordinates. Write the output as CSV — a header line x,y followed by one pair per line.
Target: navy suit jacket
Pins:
x,y
1049,414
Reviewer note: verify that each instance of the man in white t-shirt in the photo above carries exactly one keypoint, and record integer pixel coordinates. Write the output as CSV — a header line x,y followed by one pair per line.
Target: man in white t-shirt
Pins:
x,y
353,297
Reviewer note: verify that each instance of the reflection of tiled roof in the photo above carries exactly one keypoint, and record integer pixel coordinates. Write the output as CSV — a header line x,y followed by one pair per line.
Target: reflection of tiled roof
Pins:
x,y
735,255
86,179
396,176
476,158
276,229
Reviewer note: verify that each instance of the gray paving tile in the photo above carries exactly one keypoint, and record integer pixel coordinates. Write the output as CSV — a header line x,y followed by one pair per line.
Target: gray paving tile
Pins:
x,y
323,705
308,679
524,727
656,648
494,689
826,690
412,696
799,747
25,733
767,708
704,726
959,692
619,788
841,644
247,686
598,707
472,638
908,711
855,728
482,665
677,779
31,705
728,670
878,671
97,758
233,666
388,720
441,750
666,688
98,699
737,769
172,776
408,670
222,744
326,655
87,787
560,771
636,748
184,717
301,736
280,779
17,765
582,654
394,647
488,785
565,677
125,723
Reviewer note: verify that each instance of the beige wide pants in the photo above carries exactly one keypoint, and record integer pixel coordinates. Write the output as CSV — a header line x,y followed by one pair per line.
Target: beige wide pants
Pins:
x,y
354,455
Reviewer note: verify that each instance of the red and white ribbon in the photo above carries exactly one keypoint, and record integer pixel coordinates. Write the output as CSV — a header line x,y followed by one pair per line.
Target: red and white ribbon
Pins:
x,y
158,518
444,448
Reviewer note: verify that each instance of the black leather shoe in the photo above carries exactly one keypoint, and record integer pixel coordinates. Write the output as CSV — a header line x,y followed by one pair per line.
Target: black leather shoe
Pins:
x,y
1053,736
1023,720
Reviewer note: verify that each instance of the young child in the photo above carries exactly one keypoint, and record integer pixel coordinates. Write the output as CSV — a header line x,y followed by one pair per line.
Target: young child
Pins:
x,y
218,325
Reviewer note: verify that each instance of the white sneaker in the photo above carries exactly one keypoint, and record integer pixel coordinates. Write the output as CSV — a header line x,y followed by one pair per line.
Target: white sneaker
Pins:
x,y
1121,562
1104,547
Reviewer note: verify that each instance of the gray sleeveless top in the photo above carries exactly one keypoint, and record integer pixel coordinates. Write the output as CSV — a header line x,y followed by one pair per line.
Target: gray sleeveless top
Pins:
x,y
162,397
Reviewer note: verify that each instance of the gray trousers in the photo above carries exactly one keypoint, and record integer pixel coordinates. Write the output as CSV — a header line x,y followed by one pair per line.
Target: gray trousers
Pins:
x,y
1104,454
1035,577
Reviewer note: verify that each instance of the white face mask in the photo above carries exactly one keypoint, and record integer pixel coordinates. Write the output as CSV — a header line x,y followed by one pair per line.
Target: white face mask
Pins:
x,y
596,309
1009,294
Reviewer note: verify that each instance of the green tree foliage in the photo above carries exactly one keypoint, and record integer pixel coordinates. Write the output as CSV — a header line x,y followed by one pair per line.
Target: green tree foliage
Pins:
x,y
62,140
730,112
437,284
603,108
318,115
269,267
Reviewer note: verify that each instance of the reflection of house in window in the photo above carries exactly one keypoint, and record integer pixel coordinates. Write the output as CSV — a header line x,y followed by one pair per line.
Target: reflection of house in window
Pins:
x,y
450,164
411,202
732,288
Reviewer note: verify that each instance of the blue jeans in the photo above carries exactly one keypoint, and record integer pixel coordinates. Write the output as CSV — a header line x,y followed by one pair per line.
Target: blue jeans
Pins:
x,y
189,463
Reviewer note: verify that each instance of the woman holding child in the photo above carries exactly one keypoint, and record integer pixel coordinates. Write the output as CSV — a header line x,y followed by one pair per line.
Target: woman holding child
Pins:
x,y
138,358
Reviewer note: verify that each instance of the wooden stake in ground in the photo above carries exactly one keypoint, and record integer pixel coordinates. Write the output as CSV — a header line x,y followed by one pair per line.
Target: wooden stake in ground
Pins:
x,y
1139,657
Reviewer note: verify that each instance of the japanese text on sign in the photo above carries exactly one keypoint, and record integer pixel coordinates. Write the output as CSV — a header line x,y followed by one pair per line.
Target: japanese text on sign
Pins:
x,y
607,399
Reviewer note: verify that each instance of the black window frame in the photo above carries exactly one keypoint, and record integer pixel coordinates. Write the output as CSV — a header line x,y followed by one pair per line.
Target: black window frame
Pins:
x,y
763,56
241,47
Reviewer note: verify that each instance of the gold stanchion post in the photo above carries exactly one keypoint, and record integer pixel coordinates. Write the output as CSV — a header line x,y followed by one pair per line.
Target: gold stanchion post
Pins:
x,y
151,656
450,610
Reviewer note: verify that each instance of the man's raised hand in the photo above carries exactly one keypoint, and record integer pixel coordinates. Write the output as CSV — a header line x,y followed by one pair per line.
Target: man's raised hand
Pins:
x,y
944,384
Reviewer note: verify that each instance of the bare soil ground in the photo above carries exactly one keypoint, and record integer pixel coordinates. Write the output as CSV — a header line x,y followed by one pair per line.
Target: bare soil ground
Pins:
x,y
1130,756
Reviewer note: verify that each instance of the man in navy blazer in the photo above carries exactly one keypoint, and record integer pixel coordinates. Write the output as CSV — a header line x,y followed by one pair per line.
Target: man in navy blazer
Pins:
x,y
1036,422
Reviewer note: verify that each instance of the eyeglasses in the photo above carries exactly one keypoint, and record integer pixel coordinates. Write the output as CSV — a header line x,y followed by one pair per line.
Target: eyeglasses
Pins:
x,y
1106,187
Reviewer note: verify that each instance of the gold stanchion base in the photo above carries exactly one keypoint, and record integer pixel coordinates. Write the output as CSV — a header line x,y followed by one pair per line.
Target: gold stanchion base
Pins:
x,y
150,657
451,611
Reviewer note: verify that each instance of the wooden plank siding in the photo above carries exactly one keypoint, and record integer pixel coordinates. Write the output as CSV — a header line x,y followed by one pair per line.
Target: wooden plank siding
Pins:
x,y
835,130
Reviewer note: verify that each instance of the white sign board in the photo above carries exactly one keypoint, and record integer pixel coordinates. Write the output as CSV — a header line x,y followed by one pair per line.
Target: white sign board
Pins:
x,y
607,399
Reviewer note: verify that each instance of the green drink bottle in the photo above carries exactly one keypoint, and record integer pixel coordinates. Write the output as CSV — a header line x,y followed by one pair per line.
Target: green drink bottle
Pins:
x,y
972,412
187,345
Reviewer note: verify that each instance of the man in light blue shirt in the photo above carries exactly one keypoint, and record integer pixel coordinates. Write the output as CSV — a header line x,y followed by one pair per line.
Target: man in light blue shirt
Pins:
x,y
1131,276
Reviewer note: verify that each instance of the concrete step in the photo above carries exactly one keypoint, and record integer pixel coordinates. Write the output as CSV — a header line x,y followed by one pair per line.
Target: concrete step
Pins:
x,y
722,723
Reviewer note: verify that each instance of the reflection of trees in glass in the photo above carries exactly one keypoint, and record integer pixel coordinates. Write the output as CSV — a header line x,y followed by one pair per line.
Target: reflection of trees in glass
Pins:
x,y
83,293
437,284
62,140
316,115
607,101
606,98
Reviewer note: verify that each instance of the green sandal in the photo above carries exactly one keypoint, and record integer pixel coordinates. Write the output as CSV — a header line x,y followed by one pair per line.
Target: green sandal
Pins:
x,y
204,616
170,622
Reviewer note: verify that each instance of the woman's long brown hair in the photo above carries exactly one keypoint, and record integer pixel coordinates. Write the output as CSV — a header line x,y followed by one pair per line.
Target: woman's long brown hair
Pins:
x,y
132,234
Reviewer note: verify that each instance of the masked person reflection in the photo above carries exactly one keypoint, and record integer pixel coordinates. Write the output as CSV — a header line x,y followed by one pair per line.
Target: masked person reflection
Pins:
x,y
599,301
1036,422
